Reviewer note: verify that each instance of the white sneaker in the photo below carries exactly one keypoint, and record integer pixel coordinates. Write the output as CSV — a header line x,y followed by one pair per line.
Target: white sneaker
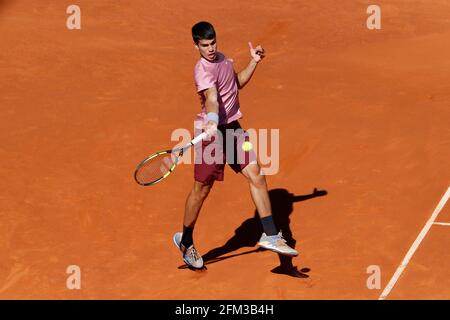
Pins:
x,y
277,244
190,255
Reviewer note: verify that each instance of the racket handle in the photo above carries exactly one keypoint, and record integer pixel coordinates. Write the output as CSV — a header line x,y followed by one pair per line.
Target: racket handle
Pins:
x,y
198,138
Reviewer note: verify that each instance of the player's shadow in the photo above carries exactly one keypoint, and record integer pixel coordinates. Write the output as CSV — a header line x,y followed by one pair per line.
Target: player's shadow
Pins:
x,y
249,232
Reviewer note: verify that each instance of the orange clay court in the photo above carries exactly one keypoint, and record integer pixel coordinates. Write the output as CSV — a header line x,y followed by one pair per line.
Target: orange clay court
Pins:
x,y
363,117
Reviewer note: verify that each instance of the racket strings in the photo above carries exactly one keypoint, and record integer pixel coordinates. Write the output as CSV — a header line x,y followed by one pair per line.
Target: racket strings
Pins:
x,y
155,168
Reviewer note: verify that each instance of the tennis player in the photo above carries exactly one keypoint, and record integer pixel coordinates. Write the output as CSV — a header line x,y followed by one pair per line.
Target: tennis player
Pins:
x,y
218,86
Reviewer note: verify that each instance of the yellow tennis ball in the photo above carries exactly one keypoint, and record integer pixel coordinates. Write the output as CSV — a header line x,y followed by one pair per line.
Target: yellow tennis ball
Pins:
x,y
247,146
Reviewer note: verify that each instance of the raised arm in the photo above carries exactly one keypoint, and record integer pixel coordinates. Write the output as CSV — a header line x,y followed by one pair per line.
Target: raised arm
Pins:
x,y
245,75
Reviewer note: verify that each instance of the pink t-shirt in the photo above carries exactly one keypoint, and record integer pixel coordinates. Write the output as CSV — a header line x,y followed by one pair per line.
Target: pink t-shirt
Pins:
x,y
220,74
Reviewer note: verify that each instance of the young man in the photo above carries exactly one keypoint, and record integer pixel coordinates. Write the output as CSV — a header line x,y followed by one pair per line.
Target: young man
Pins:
x,y
218,86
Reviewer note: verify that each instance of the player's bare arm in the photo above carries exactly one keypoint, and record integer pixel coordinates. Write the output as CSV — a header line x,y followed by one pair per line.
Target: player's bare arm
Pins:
x,y
212,109
257,54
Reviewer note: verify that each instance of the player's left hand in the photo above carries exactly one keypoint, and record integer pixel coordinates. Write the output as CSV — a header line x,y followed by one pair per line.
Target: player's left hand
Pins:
x,y
257,53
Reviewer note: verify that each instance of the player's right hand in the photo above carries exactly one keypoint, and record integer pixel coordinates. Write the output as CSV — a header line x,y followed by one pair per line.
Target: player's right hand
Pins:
x,y
210,129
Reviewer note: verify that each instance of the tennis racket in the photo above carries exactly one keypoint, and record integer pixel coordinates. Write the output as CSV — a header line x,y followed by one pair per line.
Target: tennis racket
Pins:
x,y
160,165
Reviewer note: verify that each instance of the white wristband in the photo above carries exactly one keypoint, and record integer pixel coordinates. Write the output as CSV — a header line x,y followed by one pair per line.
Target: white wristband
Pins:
x,y
212,116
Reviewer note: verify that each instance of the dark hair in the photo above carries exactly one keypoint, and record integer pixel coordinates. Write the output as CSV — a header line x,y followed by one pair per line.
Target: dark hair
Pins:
x,y
203,31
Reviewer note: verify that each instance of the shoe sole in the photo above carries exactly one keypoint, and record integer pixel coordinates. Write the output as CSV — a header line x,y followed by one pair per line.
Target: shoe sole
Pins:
x,y
277,251
174,241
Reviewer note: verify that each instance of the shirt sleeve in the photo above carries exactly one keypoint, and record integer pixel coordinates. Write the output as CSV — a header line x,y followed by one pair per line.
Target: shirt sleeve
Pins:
x,y
204,79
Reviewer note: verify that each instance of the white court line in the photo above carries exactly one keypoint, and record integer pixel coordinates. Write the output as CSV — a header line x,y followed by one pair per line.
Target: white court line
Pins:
x,y
414,246
442,224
